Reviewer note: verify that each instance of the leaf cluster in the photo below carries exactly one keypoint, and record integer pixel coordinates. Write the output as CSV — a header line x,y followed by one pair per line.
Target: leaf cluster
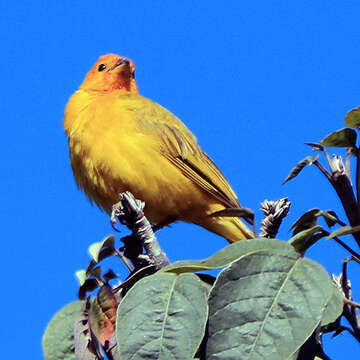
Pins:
x,y
265,303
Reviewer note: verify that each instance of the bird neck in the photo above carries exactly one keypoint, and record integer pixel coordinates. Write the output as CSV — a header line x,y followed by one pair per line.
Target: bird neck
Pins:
x,y
123,84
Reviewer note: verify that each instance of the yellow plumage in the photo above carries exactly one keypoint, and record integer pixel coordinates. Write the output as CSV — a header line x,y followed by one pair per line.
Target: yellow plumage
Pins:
x,y
120,141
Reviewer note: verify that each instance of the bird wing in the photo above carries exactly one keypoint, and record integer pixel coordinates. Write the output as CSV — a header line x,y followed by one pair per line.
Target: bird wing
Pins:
x,y
180,147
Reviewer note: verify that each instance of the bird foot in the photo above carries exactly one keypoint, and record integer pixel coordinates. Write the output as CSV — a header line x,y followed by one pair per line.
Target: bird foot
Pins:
x,y
127,210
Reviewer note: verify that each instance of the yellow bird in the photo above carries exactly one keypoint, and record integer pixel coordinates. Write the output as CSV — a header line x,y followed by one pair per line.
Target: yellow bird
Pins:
x,y
121,141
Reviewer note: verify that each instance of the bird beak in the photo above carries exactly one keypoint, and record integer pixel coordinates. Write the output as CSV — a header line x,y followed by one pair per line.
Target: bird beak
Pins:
x,y
121,63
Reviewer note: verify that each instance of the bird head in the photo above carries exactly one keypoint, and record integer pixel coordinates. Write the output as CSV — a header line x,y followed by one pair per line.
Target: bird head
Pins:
x,y
111,72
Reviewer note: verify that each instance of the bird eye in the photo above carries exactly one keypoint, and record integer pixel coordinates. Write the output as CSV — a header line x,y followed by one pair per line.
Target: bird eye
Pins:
x,y
133,74
101,67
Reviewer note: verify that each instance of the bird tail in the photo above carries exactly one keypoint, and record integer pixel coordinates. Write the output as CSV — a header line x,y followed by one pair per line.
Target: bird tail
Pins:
x,y
231,228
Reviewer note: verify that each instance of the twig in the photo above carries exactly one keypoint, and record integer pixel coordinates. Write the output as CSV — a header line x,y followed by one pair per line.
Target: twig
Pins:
x,y
342,223
327,156
350,312
358,178
349,152
275,212
352,303
343,188
134,277
125,260
129,212
111,348
342,185
324,171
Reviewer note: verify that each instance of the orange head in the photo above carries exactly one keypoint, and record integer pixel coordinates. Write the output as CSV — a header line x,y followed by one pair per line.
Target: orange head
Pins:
x,y
111,72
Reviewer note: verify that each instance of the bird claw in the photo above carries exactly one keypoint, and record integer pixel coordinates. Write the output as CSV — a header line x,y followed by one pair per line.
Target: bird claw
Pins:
x,y
126,210
117,210
113,225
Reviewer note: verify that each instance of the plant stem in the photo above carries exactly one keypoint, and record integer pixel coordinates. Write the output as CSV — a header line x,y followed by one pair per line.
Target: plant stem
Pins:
x,y
342,185
324,171
358,179
351,303
125,260
348,248
349,312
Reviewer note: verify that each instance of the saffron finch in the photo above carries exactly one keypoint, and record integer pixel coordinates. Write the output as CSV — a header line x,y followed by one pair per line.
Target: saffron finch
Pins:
x,y
121,141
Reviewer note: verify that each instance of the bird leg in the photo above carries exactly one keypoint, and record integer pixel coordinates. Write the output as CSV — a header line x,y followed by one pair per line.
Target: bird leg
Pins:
x,y
128,210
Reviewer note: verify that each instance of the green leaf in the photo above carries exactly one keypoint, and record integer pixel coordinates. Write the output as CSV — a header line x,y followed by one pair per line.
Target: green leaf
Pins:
x,y
330,217
103,254
306,238
81,276
342,138
227,255
95,249
352,118
299,166
109,275
309,219
334,307
265,306
95,272
88,286
306,221
58,339
344,230
162,317
315,146
293,356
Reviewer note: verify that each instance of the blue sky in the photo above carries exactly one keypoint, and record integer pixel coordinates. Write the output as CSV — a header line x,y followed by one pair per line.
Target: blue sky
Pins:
x,y
253,81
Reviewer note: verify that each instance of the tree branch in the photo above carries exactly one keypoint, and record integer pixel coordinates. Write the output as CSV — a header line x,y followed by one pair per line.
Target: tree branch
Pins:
x,y
129,211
